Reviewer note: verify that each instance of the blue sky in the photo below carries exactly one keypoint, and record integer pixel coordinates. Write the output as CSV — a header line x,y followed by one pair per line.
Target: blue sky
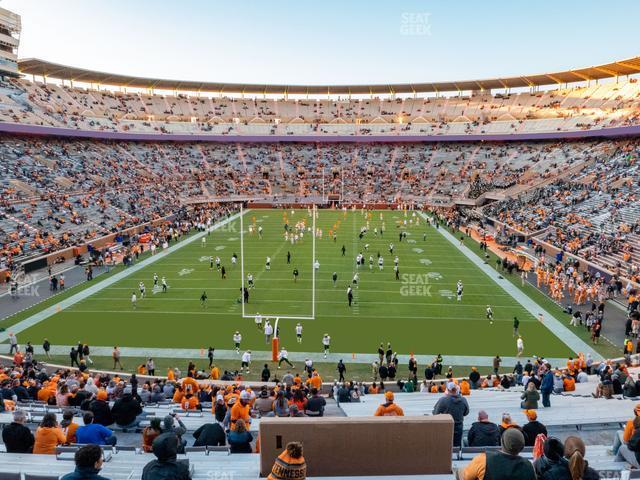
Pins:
x,y
327,41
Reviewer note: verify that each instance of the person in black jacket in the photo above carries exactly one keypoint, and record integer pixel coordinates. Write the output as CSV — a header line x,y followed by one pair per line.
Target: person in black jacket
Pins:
x,y
474,378
210,435
552,465
483,433
16,437
533,428
266,373
100,409
167,466
127,411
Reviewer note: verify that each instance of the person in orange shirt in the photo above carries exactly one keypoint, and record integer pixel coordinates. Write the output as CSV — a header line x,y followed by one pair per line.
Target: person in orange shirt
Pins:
x,y
315,381
68,426
241,410
190,402
171,376
215,373
465,389
389,409
48,435
569,384
178,395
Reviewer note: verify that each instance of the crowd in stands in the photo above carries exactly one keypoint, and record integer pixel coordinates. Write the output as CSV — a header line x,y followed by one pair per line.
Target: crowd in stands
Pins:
x,y
60,193
578,108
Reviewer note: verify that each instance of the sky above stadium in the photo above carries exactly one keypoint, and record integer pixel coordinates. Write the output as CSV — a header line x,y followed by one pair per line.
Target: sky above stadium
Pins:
x,y
327,41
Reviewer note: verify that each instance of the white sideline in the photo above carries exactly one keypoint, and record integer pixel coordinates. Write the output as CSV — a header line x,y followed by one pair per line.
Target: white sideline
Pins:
x,y
556,326
107,282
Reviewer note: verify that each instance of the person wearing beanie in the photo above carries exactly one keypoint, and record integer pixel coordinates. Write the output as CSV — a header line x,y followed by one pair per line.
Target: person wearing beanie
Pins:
x,y
169,426
389,409
100,409
166,466
483,433
532,428
289,464
552,464
456,406
505,464
574,452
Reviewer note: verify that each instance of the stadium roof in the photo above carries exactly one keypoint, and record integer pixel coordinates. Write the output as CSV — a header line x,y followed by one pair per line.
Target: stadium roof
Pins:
x,y
34,66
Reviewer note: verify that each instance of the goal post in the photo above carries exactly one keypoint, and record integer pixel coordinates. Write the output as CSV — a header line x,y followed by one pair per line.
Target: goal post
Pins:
x,y
281,315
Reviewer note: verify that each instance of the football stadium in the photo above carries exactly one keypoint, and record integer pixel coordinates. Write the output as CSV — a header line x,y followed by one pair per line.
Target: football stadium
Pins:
x,y
228,265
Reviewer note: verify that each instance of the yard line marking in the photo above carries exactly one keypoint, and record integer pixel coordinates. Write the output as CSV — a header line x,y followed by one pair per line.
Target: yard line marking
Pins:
x,y
100,285
554,325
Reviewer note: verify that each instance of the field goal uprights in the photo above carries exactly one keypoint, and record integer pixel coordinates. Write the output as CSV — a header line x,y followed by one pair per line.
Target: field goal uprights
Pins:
x,y
313,274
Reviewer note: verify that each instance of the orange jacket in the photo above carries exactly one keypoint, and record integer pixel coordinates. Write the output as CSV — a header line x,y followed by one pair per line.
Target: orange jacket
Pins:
x,y
47,439
389,410
239,411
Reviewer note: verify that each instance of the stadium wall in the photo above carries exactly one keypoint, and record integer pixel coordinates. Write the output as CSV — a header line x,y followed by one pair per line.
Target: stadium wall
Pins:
x,y
38,130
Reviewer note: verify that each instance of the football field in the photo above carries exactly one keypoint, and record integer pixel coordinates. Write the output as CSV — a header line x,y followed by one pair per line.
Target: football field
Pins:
x,y
418,313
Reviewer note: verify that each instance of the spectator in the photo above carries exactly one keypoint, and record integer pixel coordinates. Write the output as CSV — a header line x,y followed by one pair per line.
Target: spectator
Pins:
x,y
574,452
166,466
68,427
150,433
48,435
263,404
630,451
389,409
530,397
88,461
507,423
552,464
210,435
622,437
169,426
505,464
240,439
483,433
16,437
100,409
532,428
127,411
546,387
94,433
315,404
456,406
289,464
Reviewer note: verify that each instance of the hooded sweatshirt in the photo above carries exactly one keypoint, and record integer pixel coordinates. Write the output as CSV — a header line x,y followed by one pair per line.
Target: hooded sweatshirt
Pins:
x,y
166,467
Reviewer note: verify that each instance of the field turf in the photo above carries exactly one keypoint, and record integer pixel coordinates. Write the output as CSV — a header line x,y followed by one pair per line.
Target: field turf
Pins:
x,y
418,313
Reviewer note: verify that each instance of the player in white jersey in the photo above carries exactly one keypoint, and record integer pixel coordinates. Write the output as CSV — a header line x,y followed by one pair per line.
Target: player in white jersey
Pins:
x,y
204,242
380,263
299,332
217,263
316,265
370,263
134,301
356,277
237,339
268,331
164,285
246,361
267,263
395,261
234,260
260,231
142,289
155,279
459,289
258,320
250,280
489,314
520,346
326,344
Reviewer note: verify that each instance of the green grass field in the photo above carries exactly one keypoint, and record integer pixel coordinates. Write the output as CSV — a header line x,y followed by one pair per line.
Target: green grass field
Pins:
x,y
418,313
